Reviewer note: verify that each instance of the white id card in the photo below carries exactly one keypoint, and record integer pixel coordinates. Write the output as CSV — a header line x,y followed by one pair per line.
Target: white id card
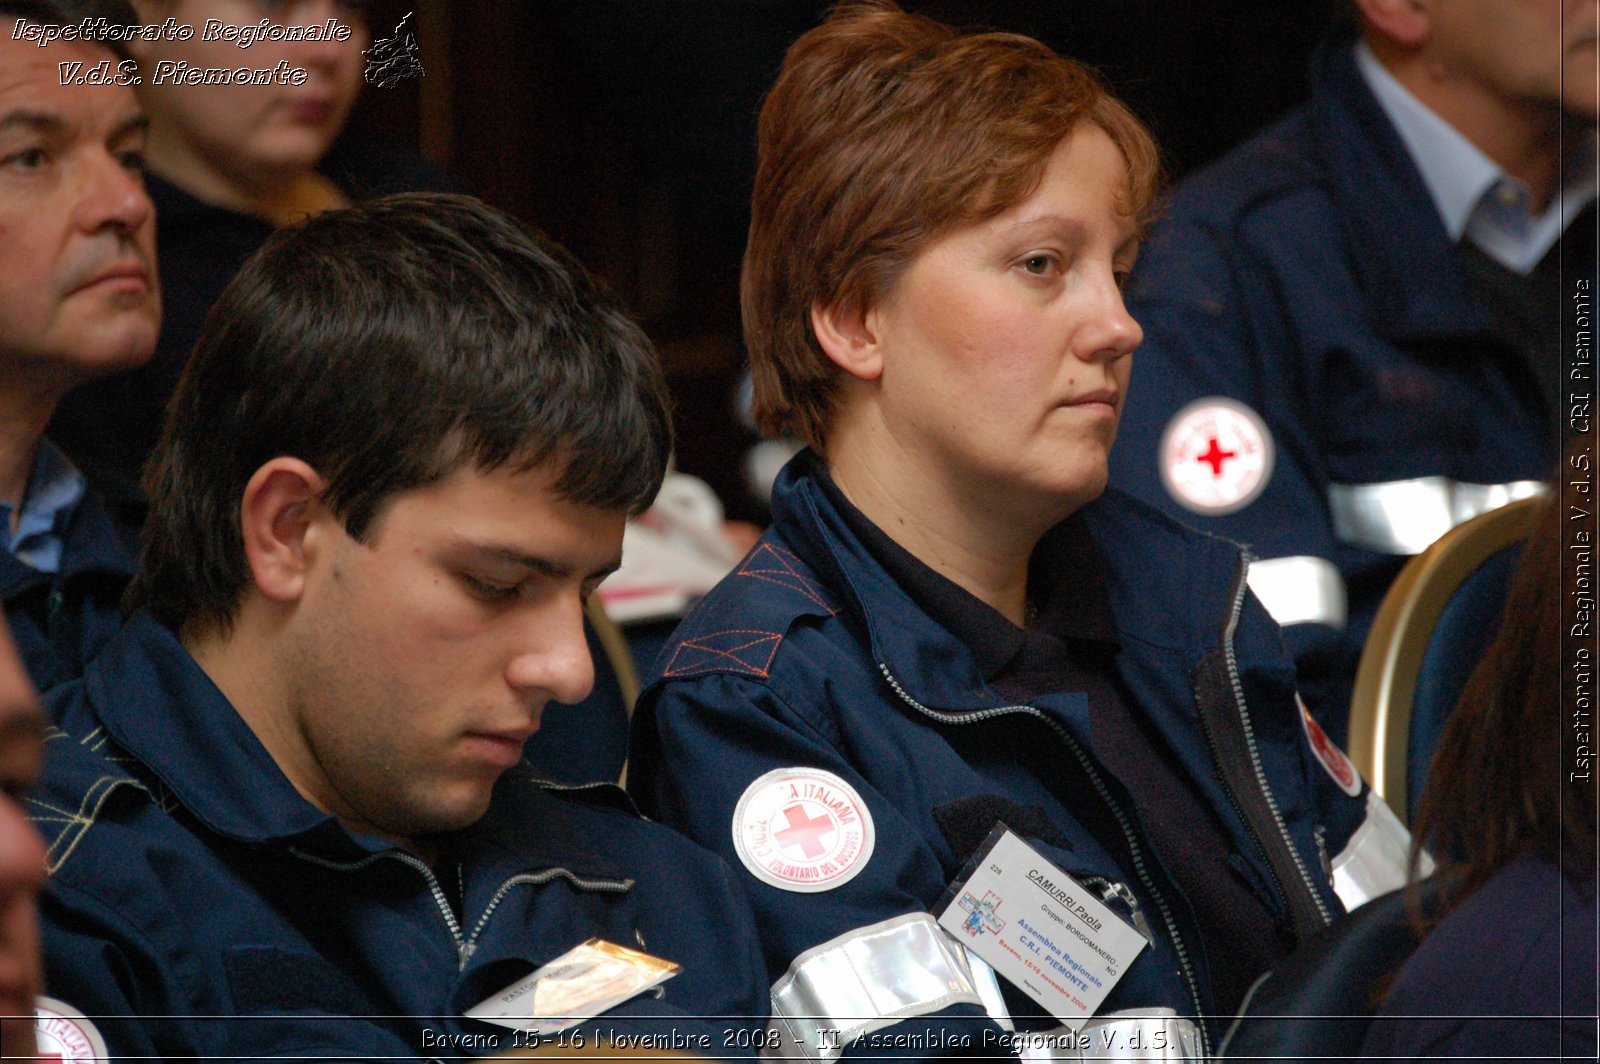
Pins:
x,y
1041,929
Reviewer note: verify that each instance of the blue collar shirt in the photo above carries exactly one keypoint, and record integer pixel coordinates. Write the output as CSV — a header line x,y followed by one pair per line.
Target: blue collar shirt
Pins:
x,y
1476,198
55,487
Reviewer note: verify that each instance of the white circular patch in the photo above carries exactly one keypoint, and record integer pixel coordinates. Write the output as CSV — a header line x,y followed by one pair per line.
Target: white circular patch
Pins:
x,y
1216,456
1332,758
65,1034
802,829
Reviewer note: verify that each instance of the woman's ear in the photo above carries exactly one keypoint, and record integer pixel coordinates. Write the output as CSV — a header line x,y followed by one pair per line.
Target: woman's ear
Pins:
x,y
281,503
849,339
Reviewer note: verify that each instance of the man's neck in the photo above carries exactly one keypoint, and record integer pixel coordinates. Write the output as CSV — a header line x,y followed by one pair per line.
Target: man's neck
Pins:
x,y
1522,137
239,660
23,417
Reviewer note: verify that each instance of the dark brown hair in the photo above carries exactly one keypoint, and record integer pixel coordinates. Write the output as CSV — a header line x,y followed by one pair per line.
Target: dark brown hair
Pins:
x,y
1501,783
388,345
883,131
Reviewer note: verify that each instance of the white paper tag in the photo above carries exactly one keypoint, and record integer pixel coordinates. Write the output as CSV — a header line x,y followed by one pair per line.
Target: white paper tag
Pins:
x,y
1042,929
578,985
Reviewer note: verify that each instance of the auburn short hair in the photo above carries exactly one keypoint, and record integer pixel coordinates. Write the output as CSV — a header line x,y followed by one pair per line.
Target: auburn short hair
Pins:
x,y
885,130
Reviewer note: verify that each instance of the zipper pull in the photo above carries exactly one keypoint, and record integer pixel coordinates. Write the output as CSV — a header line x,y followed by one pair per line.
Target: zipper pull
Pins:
x,y
1121,891
464,954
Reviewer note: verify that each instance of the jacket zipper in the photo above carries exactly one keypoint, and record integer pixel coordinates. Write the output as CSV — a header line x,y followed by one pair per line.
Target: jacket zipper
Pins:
x,y
1178,947
1232,659
466,946
607,885
1110,889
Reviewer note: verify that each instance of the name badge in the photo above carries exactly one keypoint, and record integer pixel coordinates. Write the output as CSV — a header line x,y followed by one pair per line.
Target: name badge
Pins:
x,y
1041,929
578,985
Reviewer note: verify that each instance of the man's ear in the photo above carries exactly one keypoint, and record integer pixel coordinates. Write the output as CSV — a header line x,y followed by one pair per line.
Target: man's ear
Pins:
x,y
1406,23
151,13
282,502
849,339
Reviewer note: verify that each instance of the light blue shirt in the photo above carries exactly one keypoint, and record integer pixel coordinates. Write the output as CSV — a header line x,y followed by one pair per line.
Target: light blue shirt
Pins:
x,y
1476,198
55,487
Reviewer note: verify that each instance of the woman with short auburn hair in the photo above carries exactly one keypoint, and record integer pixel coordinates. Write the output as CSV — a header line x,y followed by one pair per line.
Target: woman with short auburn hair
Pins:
x,y
948,629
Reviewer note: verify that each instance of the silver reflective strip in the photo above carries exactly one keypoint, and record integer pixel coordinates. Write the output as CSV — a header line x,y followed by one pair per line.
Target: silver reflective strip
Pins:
x,y
988,987
1303,589
1133,1034
1406,516
868,979
1374,861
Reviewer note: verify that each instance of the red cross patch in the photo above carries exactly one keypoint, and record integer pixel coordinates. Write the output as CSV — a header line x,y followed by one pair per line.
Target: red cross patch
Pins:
x,y
63,1033
1332,758
802,829
1216,456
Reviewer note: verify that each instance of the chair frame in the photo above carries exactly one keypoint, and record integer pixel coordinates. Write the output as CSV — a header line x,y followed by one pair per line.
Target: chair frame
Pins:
x,y
1386,679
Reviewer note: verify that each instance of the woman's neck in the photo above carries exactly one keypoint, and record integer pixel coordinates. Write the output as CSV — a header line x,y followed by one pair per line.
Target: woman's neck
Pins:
x,y
275,196
963,532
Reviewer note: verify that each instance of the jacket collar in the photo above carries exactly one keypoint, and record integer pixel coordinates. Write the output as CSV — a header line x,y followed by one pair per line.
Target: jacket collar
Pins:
x,y
1382,197
92,543
1179,607
159,705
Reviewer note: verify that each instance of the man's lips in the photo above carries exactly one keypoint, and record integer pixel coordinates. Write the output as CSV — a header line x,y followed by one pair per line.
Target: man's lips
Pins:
x,y
499,747
121,276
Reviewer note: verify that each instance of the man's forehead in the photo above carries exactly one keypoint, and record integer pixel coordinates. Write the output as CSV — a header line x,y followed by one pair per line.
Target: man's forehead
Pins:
x,y
31,84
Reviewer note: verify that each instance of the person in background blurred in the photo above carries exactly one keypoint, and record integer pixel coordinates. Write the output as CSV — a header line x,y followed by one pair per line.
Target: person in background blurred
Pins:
x,y
22,731
1353,322
229,164
78,301
1508,967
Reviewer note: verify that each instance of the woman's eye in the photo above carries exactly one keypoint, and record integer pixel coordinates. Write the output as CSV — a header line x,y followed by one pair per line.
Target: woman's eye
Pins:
x,y
1038,265
27,159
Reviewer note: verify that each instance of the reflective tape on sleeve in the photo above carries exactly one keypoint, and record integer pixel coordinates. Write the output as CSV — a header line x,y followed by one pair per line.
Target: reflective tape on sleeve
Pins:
x,y
1304,589
1375,859
868,979
1407,516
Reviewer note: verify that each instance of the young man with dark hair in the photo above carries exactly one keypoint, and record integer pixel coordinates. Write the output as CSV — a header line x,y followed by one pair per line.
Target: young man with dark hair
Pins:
x,y
398,463
77,236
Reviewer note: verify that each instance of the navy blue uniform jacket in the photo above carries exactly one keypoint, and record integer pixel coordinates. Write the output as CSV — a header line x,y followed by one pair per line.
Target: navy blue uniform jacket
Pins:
x,y
809,654
61,620
1308,276
202,909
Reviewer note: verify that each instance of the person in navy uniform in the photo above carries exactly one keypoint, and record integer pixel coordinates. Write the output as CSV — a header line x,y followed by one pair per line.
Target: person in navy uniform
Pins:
x,y
1357,323
950,625
80,301
297,818
22,734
